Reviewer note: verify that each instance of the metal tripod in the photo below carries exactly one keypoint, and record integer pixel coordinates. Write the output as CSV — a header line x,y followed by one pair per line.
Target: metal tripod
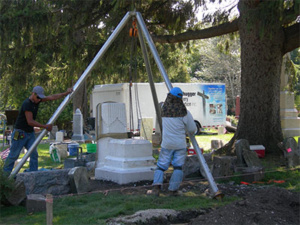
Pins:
x,y
143,34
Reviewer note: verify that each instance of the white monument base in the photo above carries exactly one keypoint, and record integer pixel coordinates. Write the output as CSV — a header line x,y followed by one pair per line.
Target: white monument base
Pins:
x,y
124,176
124,160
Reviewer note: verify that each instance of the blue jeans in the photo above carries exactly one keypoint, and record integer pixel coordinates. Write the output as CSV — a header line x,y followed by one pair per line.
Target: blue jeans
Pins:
x,y
166,156
16,147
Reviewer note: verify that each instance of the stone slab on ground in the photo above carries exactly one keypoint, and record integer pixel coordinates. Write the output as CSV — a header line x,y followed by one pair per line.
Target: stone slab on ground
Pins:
x,y
251,174
143,216
158,216
35,203
17,195
55,182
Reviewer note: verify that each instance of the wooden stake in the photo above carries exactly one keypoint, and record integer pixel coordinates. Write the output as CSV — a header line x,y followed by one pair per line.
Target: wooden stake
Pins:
x,y
49,209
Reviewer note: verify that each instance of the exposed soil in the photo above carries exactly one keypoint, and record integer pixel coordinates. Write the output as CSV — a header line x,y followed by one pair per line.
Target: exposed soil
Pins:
x,y
268,205
259,205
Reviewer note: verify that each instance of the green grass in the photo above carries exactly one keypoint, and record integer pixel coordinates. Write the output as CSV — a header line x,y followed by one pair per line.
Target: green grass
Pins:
x,y
290,178
97,208
204,141
45,160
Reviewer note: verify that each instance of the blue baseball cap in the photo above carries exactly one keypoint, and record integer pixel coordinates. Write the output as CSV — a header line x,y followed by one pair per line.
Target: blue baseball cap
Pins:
x,y
39,91
176,91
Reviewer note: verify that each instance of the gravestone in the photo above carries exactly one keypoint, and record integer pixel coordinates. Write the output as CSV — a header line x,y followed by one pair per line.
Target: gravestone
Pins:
x,y
248,162
79,180
216,144
239,146
120,159
59,136
223,166
78,126
251,158
291,152
52,133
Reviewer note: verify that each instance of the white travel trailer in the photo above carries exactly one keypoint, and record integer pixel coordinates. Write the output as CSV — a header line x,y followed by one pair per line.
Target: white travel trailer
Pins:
x,y
206,101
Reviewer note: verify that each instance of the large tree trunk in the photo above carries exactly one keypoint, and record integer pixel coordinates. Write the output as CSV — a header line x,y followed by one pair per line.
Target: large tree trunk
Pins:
x,y
262,39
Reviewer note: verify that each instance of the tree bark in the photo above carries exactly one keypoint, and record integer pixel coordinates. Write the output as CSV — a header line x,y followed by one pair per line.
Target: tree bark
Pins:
x,y
262,41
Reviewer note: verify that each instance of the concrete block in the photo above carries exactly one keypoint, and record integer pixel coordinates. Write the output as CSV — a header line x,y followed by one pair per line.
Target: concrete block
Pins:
x,y
122,176
124,160
103,148
251,174
35,203
130,148
73,162
128,163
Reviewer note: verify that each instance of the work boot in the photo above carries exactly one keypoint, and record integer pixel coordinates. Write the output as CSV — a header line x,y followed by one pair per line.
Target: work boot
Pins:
x,y
175,193
155,190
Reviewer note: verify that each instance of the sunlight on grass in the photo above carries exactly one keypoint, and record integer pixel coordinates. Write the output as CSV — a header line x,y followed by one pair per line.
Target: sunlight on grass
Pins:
x,y
97,208
204,141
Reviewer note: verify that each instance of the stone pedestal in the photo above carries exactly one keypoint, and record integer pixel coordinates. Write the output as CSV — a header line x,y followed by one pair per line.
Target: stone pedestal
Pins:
x,y
290,122
124,160
120,160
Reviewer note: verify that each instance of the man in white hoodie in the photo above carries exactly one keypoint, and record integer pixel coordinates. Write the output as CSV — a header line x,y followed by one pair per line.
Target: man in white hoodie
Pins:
x,y
176,122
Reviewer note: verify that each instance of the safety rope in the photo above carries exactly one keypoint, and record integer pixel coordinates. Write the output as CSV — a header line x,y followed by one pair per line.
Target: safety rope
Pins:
x,y
133,32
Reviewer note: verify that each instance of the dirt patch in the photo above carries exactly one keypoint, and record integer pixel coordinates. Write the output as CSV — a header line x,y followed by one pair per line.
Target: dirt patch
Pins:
x,y
259,204
269,205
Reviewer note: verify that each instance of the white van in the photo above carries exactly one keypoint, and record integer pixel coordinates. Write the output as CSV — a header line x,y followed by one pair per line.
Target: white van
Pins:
x,y
205,101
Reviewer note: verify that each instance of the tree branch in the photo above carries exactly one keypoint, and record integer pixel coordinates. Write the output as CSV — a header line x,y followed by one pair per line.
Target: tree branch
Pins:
x,y
292,38
222,29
